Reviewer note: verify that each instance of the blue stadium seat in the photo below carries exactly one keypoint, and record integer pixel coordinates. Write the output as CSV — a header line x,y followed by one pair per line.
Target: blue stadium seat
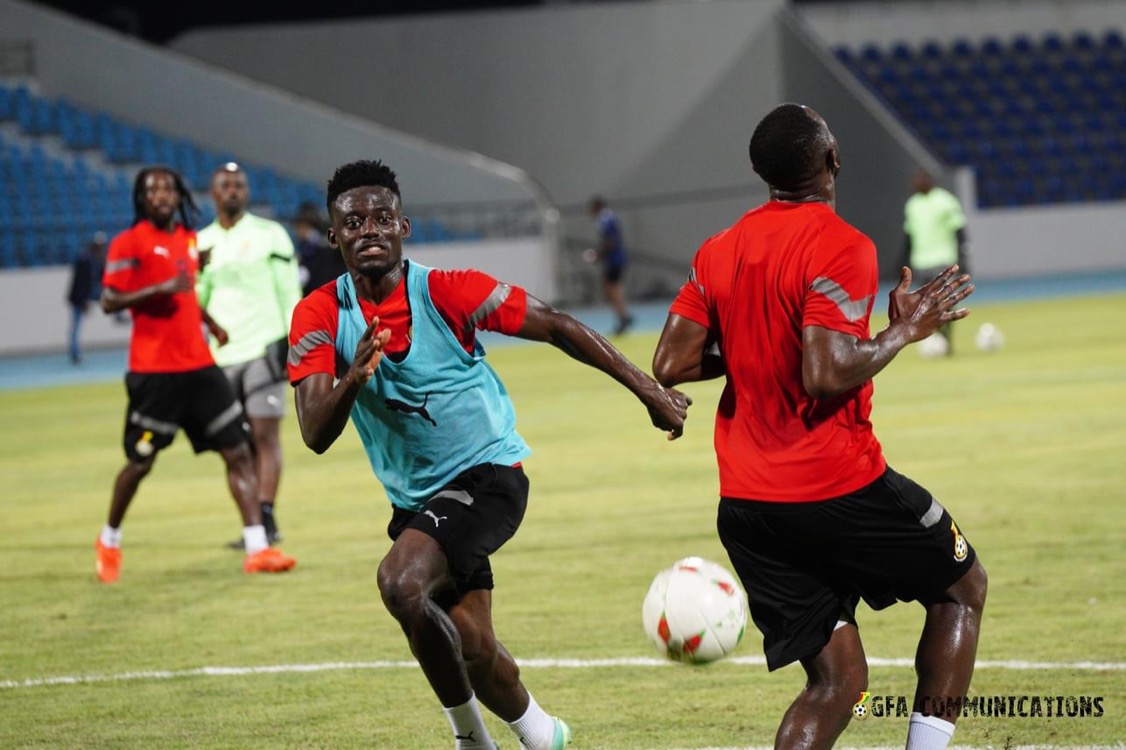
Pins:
x,y
1022,45
931,50
992,47
961,48
1083,41
900,51
7,103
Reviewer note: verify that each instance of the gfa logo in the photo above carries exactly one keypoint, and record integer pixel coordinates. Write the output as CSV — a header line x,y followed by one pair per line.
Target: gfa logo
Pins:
x,y
961,546
860,708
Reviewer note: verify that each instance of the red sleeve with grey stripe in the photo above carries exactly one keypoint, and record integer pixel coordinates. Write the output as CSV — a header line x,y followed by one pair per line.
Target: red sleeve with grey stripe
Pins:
x,y
471,301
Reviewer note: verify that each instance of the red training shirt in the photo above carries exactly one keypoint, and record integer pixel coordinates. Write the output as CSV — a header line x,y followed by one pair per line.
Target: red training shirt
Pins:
x,y
755,286
167,330
457,295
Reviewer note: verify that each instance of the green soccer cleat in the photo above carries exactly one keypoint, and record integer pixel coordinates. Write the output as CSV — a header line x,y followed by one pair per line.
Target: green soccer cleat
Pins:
x,y
562,735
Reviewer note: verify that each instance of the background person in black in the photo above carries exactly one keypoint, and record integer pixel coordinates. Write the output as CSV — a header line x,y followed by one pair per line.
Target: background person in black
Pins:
x,y
85,287
320,263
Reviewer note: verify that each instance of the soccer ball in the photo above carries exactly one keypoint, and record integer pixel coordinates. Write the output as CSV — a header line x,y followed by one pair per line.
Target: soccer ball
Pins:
x,y
934,346
695,611
860,711
989,338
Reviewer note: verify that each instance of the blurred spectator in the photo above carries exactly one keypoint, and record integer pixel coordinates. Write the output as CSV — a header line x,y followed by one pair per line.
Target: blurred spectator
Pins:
x,y
85,287
320,264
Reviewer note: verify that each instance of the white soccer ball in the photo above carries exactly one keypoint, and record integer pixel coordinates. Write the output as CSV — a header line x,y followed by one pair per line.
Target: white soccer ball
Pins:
x,y
989,338
933,346
695,611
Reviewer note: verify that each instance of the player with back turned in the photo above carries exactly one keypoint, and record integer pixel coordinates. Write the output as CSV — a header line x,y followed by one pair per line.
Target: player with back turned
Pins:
x,y
392,345
810,514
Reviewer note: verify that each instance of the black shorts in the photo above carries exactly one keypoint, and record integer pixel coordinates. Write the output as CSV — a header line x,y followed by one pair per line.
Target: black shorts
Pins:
x,y
613,272
471,517
200,401
805,566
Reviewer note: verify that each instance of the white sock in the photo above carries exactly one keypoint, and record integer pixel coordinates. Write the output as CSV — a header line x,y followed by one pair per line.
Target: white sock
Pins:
x,y
928,732
254,538
469,730
535,728
111,537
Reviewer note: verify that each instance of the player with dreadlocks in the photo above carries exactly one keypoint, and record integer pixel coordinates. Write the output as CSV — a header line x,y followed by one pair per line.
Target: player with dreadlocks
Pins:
x,y
172,380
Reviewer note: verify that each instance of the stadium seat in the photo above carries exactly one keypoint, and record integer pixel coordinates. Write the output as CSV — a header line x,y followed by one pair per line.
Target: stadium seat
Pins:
x,y
1054,106
35,178
961,48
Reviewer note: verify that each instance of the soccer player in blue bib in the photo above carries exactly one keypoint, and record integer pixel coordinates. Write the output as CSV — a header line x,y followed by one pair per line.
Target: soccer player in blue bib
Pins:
x,y
392,345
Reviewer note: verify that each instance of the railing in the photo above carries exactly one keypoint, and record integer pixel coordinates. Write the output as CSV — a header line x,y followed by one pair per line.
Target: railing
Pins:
x,y
647,277
474,221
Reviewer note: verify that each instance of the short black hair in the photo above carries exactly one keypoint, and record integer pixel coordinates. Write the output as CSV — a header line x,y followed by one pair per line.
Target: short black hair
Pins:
x,y
362,173
787,146
188,210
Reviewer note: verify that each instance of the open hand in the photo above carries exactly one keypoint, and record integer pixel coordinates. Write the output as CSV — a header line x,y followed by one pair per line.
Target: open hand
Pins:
x,y
931,306
369,351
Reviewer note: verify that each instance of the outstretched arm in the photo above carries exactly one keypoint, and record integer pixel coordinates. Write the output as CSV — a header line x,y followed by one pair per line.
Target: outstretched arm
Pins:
x,y
684,354
834,362
323,406
667,408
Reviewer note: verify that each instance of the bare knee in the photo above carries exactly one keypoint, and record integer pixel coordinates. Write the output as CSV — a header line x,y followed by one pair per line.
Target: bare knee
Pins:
x,y
838,674
140,469
969,591
403,594
238,458
840,689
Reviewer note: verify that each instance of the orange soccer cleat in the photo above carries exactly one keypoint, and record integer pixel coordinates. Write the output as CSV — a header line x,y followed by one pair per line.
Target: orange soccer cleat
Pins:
x,y
107,563
269,560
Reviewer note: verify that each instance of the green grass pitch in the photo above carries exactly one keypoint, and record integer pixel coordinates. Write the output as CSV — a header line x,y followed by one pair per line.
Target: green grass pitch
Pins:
x,y
1026,447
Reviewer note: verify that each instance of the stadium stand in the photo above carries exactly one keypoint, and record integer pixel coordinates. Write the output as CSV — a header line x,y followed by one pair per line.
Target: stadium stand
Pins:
x,y
1040,120
67,172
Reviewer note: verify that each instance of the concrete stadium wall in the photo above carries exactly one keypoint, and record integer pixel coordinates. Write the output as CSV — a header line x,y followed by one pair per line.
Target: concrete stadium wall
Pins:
x,y
220,109
631,100
625,99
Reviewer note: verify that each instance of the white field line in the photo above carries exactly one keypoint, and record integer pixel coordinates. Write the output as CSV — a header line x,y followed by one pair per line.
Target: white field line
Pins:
x,y
1082,666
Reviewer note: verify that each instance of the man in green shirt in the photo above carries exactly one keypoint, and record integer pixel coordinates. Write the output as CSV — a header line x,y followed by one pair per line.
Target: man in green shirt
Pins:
x,y
249,286
935,230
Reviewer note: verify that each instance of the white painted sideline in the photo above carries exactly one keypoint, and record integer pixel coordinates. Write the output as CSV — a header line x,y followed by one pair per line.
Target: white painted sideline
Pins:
x,y
953,747
1088,666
